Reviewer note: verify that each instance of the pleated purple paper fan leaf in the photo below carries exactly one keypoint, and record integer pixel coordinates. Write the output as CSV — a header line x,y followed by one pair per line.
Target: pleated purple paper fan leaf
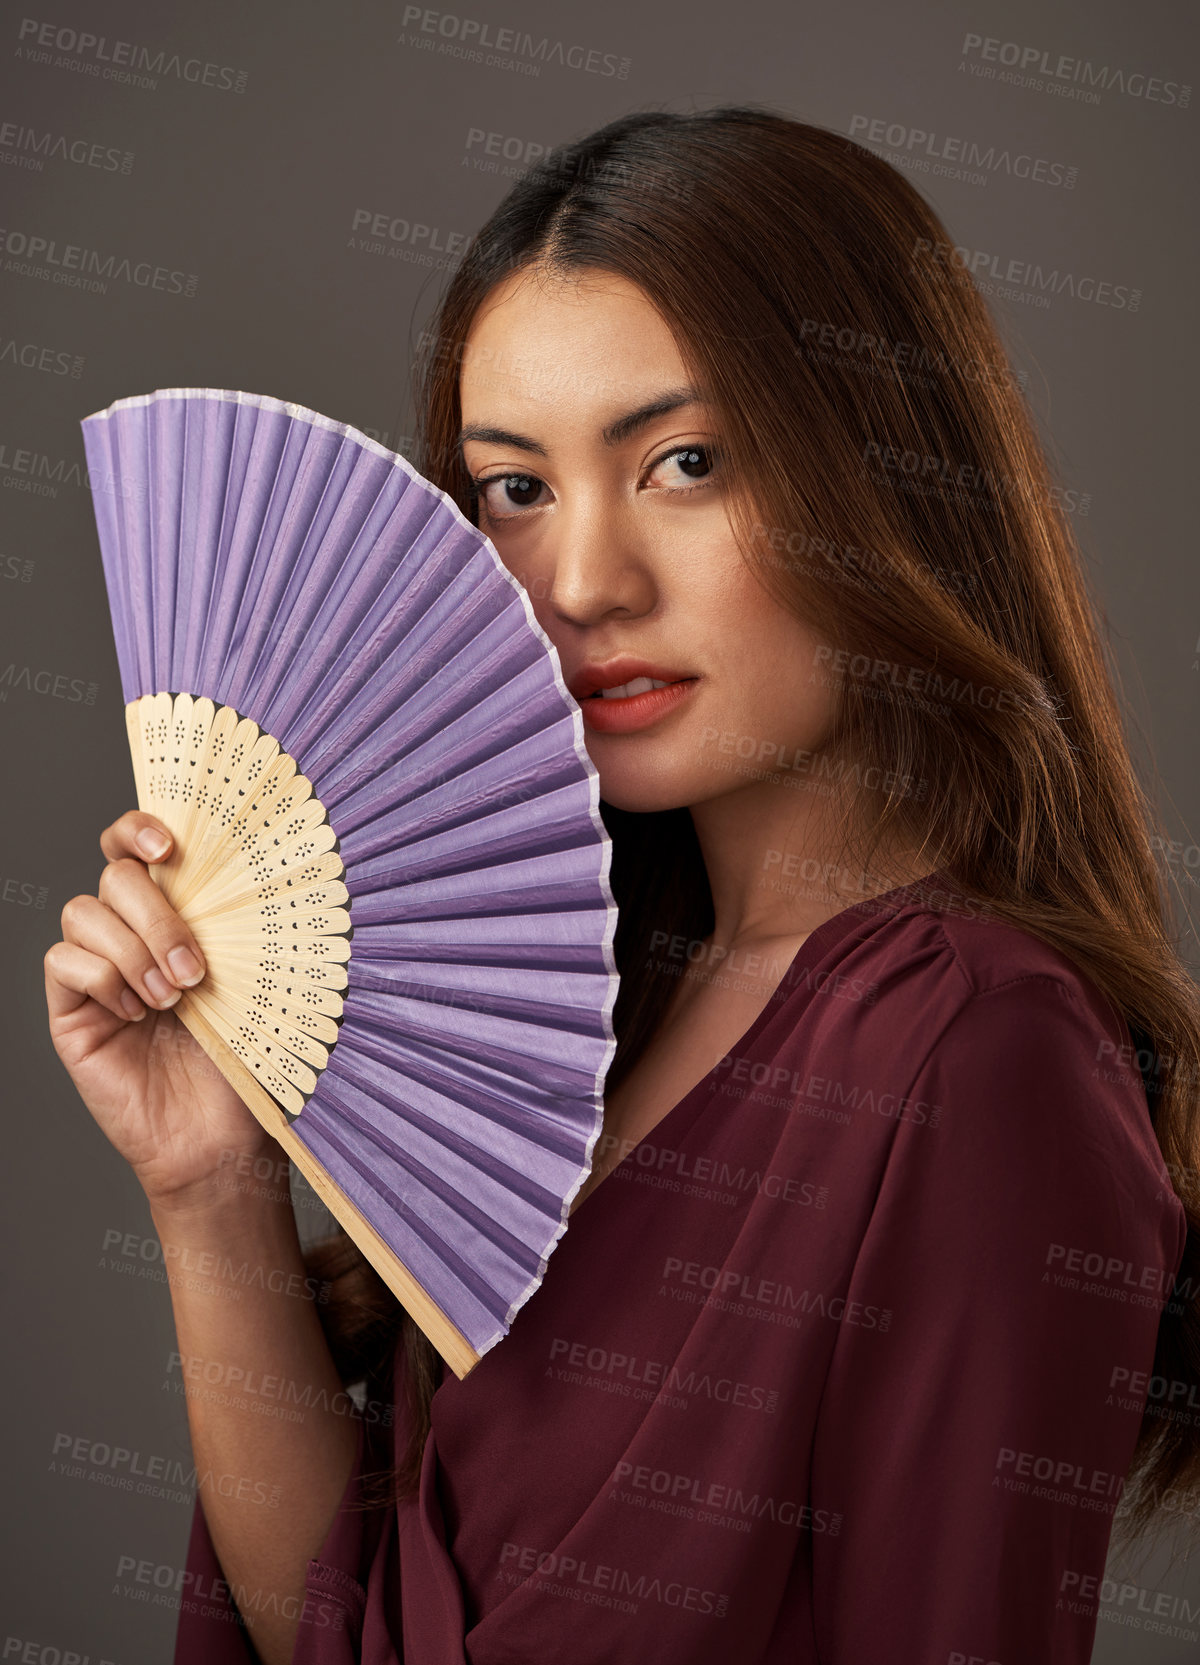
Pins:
x,y
388,838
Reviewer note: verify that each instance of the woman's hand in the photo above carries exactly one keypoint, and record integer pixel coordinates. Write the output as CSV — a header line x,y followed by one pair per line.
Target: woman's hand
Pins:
x,y
110,986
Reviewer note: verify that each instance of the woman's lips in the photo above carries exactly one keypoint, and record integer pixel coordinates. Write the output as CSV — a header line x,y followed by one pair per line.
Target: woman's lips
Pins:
x,y
626,714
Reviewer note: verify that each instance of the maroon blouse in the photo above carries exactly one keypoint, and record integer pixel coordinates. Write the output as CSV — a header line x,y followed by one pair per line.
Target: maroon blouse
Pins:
x,y
839,1364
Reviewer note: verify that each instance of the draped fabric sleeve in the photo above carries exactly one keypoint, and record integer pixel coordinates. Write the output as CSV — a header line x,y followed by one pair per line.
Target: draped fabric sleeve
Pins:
x,y
212,1629
1019,1251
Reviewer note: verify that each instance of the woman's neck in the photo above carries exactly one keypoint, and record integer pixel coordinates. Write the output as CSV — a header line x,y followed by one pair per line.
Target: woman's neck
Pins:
x,y
777,864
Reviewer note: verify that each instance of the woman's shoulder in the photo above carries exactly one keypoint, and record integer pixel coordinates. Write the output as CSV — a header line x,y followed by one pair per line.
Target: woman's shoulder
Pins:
x,y
931,941
928,977
1016,1044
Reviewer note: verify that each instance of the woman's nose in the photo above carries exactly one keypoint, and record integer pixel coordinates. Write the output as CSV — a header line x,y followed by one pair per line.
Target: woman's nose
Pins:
x,y
596,565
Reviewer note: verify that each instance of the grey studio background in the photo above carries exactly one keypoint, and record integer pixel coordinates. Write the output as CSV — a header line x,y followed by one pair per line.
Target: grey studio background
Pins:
x,y
247,152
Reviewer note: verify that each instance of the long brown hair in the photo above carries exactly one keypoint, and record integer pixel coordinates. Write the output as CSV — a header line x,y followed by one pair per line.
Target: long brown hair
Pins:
x,y
903,505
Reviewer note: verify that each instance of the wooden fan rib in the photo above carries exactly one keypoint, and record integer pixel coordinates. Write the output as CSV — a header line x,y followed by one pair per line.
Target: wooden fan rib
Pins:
x,y
296,1057
217,743
446,1337
247,749
321,895
254,982
247,877
237,924
279,1013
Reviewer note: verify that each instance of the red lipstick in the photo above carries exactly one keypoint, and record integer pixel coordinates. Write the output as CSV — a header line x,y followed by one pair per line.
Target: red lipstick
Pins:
x,y
627,713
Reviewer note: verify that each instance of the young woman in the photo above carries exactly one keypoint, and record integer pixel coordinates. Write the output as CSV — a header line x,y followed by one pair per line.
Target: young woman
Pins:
x,y
850,1343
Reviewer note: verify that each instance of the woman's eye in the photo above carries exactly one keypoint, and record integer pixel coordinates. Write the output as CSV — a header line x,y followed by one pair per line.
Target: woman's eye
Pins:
x,y
506,495
512,493
695,461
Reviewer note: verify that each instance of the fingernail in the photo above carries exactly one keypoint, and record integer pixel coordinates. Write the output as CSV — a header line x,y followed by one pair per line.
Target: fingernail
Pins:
x,y
185,965
161,991
132,1005
152,843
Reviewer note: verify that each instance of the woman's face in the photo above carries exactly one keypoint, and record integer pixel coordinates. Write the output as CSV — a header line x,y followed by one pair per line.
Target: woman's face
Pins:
x,y
600,485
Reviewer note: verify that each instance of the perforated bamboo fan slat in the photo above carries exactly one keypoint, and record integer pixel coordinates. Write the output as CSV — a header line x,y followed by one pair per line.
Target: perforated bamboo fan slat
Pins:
x,y
246,873
387,833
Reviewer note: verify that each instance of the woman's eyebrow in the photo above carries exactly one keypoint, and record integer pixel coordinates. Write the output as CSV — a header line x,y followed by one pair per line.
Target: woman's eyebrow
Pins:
x,y
620,429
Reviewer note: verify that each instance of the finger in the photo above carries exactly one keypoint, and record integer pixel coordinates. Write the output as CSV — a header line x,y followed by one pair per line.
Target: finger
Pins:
x,y
149,839
127,887
133,838
74,976
136,833
92,924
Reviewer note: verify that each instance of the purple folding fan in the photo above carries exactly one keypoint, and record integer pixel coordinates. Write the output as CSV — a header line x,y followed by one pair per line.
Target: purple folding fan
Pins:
x,y
388,841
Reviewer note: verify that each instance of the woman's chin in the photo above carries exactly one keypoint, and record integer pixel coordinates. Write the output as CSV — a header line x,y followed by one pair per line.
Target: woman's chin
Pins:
x,y
639,797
